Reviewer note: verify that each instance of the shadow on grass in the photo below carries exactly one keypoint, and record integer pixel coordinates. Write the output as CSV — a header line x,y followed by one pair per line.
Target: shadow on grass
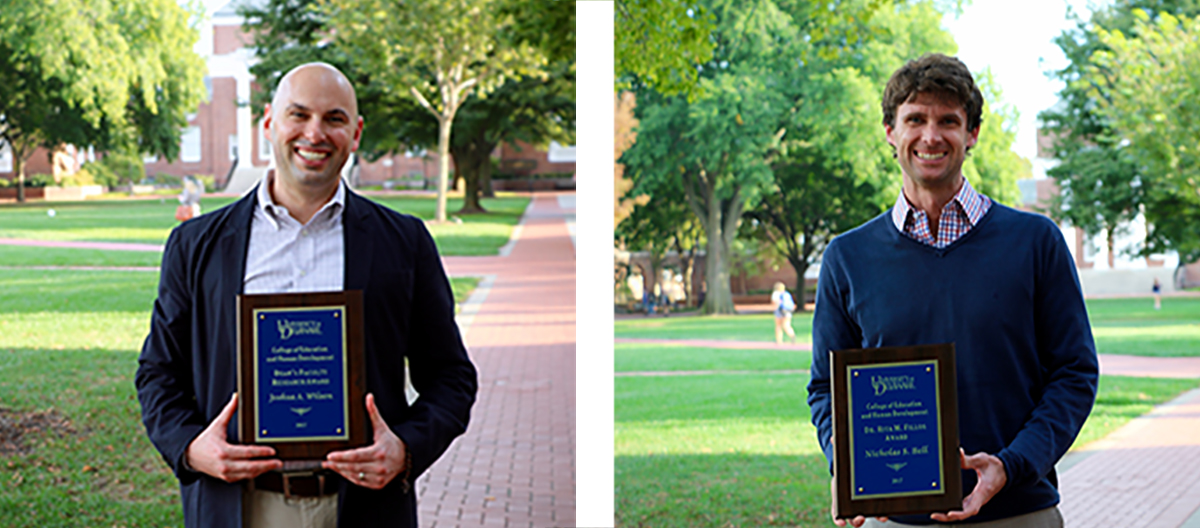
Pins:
x,y
721,490
98,469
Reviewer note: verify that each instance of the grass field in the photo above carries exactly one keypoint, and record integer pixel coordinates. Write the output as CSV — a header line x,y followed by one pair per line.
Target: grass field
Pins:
x,y
149,221
1119,326
739,449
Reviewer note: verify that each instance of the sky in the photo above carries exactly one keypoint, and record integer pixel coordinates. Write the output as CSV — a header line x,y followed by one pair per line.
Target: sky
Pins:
x,y
1015,39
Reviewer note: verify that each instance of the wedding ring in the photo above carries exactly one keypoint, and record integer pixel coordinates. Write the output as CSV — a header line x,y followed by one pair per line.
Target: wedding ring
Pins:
x,y
362,476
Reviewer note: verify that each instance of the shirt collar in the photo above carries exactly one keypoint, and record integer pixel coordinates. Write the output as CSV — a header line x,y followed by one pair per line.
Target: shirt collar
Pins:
x,y
969,200
272,210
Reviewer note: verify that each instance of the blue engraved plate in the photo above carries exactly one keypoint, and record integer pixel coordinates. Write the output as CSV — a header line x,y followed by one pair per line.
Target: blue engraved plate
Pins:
x,y
895,435
300,374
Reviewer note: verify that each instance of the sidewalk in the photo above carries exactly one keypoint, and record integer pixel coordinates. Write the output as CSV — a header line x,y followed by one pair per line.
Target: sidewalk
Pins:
x,y
1145,474
516,464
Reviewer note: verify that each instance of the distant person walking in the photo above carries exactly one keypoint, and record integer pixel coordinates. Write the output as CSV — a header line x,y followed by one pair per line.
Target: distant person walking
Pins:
x,y
784,306
1157,294
189,199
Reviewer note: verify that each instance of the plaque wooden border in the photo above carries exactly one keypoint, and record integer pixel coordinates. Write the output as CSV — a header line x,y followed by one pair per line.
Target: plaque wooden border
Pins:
x,y
951,497
355,370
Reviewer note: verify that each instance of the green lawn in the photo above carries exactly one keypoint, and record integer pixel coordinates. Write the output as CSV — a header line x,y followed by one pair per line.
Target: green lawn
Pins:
x,y
149,221
1134,327
752,327
1119,326
634,357
739,450
69,342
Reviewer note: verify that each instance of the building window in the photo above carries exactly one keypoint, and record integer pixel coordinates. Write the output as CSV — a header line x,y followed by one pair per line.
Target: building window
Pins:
x,y
560,153
233,145
190,146
6,157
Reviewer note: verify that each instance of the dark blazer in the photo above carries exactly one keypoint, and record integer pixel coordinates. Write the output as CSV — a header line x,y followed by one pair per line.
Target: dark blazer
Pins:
x,y
187,370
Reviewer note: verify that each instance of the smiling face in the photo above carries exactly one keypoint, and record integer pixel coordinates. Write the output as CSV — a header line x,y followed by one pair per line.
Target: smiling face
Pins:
x,y
931,140
313,125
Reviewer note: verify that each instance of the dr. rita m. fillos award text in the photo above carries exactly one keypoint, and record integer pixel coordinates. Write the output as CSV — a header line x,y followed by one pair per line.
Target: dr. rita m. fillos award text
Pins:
x,y
895,431
301,381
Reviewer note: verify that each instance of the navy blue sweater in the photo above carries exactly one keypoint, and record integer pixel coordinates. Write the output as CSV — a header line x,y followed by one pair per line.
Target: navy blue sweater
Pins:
x,y
1006,293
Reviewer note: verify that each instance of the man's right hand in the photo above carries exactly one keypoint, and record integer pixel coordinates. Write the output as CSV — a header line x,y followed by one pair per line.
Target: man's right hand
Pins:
x,y
210,454
855,522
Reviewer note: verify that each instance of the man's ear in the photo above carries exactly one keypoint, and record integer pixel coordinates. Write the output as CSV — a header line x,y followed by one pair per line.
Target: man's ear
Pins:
x,y
973,137
887,131
357,135
266,124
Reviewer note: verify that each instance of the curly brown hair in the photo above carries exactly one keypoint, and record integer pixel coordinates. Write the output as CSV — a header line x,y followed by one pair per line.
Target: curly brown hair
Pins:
x,y
938,74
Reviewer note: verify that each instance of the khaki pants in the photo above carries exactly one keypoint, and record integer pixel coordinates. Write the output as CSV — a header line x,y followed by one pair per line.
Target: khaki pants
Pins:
x,y
269,509
1047,518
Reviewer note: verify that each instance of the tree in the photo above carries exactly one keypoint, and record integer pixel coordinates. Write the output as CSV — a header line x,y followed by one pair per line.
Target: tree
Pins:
x,y
716,146
718,143
111,73
1160,125
1102,186
529,109
534,109
438,51
659,44
835,171
667,224
623,128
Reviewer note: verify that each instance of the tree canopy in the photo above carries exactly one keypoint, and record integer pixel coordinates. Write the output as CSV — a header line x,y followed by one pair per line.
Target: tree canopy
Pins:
x,y
1105,183
534,109
784,126
439,52
116,74
1158,126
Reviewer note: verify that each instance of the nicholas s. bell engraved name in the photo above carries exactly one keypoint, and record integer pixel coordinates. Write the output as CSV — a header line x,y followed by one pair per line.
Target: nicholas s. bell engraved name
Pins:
x,y
301,374
895,440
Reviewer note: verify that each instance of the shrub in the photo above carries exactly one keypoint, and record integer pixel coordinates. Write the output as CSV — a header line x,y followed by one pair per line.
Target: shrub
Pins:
x,y
39,180
101,173
127,167
81,177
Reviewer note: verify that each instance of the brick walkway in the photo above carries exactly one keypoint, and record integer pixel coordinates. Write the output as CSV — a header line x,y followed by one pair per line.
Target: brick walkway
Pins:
x,y
515,467
1145,474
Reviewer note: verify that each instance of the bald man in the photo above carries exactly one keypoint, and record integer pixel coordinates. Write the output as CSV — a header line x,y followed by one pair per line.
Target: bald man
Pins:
x,y
294,233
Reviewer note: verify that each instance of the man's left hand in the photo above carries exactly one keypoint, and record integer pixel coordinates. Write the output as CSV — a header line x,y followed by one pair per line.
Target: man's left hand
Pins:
x,y
373,466
991,479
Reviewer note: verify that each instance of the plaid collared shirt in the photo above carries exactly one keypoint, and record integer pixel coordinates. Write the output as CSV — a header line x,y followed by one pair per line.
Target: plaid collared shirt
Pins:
x,y
958,216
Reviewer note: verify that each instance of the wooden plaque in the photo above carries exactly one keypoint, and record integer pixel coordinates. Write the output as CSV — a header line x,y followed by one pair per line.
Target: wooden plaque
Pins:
x,y
301,377
895,431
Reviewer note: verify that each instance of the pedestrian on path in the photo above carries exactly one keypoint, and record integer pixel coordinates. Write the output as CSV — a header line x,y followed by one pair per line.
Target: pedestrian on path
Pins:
x,y
189,199
303,230
948,265
1157,294
784,306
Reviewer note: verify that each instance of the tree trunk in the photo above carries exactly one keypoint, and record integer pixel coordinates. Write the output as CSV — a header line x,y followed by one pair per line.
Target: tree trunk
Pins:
x,y
688,265
473,162
1111,256
444,123
20,166
719,299
485,180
